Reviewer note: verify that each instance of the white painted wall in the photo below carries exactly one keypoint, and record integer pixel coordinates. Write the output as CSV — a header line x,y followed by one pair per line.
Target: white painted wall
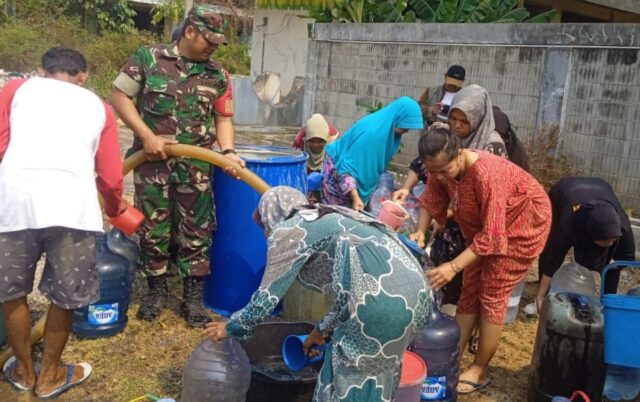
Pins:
x,y
279,44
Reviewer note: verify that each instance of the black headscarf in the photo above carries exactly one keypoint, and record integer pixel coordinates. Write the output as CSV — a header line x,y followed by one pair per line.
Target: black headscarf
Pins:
x,y
591,221
515,148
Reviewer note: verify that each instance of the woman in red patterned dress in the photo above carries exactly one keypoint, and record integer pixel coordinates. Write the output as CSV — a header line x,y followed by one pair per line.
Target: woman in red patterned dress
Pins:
x,y
505,217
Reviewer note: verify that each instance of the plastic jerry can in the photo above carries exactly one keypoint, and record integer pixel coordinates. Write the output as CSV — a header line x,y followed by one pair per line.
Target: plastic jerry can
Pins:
x,y
569,348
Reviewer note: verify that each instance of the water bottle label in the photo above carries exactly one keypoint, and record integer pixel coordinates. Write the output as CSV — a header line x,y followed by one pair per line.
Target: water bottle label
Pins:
x,y
434,389
101,314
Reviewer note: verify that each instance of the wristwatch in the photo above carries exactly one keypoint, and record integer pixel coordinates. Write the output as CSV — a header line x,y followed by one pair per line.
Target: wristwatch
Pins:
x,y
229,151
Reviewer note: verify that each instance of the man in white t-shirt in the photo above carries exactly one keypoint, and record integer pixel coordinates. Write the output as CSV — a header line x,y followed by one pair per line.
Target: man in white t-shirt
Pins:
x,y
58,150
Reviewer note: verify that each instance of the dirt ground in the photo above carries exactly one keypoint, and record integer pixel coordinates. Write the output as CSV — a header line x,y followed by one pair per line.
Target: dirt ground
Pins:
x,y
149,357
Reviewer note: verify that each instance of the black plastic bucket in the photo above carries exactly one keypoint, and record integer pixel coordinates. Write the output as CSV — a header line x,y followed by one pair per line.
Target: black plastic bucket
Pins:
x,y
271,381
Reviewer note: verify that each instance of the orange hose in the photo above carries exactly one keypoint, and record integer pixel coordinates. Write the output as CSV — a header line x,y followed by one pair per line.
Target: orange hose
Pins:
x,y
207,155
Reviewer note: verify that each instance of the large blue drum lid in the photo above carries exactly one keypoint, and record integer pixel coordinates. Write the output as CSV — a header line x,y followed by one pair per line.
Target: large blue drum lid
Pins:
x,y
270,154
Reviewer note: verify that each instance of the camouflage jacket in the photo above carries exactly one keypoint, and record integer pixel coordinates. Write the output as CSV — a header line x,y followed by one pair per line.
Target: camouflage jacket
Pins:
x,y
174,96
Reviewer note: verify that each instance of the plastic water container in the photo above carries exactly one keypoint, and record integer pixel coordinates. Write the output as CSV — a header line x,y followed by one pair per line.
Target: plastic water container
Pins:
x,y
623,383
216,371
437,345
514,303
414,371
573,278
622,322
303,304
382,192
239,250
116,257
569,349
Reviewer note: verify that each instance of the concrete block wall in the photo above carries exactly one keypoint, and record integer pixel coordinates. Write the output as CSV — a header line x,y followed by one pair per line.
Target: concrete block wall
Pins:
x,y
583,77
602,115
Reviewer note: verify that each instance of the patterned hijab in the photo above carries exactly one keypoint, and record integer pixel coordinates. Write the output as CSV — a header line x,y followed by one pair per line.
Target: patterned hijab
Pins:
x,y
316,127
364,151
277,204
474,102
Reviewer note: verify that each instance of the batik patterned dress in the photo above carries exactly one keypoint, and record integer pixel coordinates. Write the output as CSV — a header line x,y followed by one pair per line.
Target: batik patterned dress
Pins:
x,y
381,298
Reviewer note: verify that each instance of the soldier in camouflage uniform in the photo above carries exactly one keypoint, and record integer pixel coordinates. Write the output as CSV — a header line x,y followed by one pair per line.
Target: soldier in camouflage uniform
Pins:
x,y
179,92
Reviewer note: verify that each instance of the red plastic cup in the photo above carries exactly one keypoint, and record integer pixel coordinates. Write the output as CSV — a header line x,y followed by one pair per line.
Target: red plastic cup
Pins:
x,y
393,214
128,221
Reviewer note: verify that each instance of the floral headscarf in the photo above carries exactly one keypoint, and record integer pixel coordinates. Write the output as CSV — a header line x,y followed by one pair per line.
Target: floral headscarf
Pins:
x,y
277,203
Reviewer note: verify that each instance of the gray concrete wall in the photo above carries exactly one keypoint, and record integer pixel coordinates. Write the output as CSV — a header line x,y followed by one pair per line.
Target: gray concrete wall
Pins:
x,y
583,77
279,44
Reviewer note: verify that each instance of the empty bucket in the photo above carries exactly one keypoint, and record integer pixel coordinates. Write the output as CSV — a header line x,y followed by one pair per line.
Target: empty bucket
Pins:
x,y
293,354
393,214
414,371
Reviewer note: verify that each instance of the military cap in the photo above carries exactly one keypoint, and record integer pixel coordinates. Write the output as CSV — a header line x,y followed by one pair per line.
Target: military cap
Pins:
x,y
208,22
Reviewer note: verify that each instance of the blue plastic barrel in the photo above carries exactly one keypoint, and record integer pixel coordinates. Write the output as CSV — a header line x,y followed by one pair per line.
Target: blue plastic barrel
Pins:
x,y
239,250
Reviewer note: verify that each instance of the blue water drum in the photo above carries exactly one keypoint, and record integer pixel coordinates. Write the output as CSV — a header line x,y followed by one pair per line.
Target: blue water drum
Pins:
x,y
116,257
239,250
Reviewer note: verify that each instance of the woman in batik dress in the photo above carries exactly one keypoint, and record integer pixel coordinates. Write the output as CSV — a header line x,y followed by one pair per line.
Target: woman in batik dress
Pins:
x,y
381,298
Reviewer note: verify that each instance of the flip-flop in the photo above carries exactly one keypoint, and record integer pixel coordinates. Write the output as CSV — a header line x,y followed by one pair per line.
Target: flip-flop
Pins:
x,y
7,370
476,386
68,384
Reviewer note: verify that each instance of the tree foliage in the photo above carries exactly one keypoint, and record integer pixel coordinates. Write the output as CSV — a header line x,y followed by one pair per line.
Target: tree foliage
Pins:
x,y
101,15
445,11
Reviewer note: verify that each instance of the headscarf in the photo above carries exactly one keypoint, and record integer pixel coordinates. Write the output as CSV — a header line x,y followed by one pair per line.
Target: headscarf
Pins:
x,y
277,204
474,102
364,151
316,127
594,220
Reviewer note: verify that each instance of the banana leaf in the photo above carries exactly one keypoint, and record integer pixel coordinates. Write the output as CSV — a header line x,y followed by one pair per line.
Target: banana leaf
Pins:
x,y
423,10
465,7
446,11
547,16
480,13
517,15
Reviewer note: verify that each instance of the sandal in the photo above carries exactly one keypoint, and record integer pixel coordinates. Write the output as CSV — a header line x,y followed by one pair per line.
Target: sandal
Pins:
x,y
475,386
7,370
68,384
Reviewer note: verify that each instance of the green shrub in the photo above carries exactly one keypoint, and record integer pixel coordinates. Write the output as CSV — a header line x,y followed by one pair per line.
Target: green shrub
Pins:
x,y
22,46
23,41
234,57
107,54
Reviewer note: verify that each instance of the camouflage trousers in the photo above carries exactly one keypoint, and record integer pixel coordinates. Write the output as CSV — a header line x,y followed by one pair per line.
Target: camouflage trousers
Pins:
x,y
176,199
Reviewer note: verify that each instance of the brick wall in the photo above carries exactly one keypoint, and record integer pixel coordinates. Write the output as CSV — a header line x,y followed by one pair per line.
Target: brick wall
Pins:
x,y
583,77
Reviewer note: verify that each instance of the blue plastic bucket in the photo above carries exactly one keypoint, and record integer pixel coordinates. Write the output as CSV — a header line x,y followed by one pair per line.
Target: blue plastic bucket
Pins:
x,y
293,354
621,323
239,250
